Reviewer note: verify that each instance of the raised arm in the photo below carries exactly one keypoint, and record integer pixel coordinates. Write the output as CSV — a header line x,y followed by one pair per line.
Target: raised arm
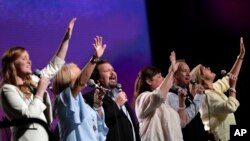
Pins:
x,y
237,65
168,80
62,51
57,61
87,70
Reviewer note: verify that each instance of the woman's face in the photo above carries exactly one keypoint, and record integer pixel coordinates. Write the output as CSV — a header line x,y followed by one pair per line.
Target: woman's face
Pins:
x,y
23,64
207,73
155,81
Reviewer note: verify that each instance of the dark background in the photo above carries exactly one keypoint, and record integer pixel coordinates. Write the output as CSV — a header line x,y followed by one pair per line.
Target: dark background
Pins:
x,y
206,32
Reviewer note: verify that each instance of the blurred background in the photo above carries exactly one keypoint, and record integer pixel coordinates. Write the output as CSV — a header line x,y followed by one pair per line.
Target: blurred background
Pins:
x,y
138,33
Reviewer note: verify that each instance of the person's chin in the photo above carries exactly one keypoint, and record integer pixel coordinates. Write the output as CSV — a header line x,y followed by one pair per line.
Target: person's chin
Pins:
x,y
29,73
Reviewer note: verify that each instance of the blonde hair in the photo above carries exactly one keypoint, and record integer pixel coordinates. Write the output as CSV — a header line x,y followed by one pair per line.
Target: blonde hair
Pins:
x,y
196,74
63,78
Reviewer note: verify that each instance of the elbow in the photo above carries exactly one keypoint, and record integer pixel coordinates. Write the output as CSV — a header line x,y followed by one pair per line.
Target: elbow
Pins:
x,y
231,108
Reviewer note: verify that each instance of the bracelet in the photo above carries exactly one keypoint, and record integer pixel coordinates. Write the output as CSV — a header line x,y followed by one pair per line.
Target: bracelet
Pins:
x,y
182,108
38,97
232,90
241,58
94,59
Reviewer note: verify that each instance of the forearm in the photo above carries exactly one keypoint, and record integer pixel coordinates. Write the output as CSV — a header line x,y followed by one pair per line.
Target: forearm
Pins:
x,y
84,76
182,113
61,53
237,66
167,84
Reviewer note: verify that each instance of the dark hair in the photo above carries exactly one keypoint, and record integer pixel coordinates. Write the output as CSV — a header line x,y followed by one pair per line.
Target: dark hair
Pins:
x,y
96,74
141,84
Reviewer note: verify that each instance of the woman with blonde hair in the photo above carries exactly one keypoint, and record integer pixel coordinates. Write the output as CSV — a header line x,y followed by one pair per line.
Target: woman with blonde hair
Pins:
x,y
76,120
217,111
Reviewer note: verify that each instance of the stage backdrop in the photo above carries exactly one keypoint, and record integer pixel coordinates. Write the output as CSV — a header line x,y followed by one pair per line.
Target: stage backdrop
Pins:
x,y
39,26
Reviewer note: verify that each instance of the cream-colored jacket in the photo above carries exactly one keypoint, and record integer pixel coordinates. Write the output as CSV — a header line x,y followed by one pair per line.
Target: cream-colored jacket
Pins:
x,y
158,121
16,106
217,111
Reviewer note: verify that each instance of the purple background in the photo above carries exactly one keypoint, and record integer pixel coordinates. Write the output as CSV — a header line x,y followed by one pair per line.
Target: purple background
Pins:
x,y
39,26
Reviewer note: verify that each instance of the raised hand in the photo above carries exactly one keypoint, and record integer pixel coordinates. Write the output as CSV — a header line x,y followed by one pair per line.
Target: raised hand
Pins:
x,y
174,65
70,29
99,47
242,49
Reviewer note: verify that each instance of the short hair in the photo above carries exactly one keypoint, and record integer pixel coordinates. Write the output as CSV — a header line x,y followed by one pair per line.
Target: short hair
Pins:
x,y
62,79
96,73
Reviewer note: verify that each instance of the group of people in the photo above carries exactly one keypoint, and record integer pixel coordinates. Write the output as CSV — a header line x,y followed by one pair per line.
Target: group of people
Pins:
x,y
184,105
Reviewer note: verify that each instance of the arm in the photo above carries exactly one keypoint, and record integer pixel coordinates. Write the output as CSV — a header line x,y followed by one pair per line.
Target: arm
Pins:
x,y
147,102
62,51
57,61
15,106
181,108
220,105
168,80
87,70
237,65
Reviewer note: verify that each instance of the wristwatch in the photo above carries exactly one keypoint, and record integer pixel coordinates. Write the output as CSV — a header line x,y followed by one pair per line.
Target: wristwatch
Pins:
x,y
94,59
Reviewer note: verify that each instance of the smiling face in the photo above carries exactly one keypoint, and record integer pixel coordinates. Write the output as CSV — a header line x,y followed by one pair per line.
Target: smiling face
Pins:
x,y
108,76
23,65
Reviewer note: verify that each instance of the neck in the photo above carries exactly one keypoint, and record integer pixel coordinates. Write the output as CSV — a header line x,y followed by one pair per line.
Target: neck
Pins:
x,y
208,84
19,80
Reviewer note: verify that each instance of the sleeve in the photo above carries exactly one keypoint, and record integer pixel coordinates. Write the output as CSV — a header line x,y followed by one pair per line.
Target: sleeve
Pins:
x,y
16,107
102,127
147,102
191,110
48,110
194,107
53,67
219,104
72,105
222,84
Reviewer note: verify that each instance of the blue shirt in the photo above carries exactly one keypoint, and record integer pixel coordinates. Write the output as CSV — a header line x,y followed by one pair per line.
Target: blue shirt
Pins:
x,y
77,121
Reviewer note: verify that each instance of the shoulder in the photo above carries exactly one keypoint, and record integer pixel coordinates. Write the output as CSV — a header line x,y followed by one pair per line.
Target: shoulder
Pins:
x,y
8,87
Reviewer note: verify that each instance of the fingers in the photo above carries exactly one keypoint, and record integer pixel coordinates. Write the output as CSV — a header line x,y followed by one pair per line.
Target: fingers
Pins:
x,y
182,92
72,22
199,89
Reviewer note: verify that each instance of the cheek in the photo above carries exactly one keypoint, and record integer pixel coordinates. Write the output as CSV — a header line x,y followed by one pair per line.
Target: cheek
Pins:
x,y
18,66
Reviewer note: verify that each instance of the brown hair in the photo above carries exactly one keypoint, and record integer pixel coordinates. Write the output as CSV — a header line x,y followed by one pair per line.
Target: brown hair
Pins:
x,y
141,84
9,72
